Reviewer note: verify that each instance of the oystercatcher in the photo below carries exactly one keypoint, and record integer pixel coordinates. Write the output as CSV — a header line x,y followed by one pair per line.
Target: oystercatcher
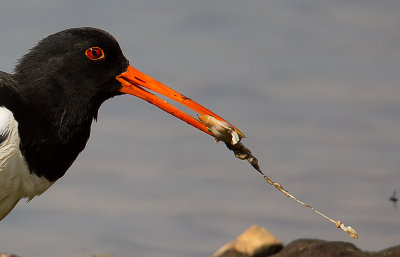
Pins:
x,y
47,107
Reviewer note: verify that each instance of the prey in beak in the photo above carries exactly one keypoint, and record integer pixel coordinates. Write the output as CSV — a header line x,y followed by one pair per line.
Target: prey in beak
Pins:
x,y
139,84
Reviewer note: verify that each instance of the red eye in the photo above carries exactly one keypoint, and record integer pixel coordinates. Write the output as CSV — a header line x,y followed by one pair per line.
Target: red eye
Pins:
x,y
94,53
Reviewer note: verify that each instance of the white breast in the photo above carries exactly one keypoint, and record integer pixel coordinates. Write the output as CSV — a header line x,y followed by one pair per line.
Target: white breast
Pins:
x,y
16,181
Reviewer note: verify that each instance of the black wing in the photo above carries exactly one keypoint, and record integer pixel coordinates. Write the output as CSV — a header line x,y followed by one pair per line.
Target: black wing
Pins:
x,y
7,97
8,91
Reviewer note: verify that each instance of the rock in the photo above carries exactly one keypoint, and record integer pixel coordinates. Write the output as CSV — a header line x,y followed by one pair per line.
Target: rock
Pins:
x,y
320,248
256,241
7,255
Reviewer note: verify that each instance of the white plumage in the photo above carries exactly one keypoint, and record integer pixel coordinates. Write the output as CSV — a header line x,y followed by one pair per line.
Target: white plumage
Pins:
x,y
16,181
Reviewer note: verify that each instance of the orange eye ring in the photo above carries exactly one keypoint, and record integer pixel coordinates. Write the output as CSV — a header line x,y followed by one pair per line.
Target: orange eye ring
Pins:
x,y
94,53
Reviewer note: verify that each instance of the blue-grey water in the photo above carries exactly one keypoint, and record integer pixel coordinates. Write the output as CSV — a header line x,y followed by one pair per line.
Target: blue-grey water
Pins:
x,y
313,84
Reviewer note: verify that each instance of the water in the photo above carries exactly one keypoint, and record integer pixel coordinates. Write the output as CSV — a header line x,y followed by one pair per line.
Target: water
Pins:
x,y
313,85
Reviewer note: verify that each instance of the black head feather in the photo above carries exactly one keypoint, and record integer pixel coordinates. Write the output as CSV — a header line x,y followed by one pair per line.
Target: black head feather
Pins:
x,y
60,92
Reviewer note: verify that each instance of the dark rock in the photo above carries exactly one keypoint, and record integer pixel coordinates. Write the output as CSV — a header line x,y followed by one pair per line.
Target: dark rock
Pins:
x,y
320,248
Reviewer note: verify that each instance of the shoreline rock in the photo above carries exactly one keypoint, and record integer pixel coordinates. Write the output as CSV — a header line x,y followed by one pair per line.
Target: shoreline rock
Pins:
x,y
255,241
258,242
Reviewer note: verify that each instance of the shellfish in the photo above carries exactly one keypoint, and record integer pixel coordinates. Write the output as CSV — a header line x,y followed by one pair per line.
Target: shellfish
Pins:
x,y
222,131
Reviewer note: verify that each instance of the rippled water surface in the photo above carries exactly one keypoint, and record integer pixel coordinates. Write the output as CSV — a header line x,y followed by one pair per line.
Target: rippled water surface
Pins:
x,y
314,85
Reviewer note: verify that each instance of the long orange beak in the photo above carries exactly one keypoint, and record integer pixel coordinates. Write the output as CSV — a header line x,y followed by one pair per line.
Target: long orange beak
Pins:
x,y
135,83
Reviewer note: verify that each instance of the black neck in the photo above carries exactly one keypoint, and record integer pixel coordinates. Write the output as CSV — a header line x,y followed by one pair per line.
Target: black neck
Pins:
x,y
53,131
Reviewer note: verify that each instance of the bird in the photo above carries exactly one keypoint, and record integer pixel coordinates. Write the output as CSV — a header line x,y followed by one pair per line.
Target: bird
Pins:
x,y
394,199
48,104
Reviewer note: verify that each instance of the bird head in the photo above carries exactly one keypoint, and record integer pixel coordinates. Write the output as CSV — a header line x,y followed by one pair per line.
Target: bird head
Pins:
x,y
82,67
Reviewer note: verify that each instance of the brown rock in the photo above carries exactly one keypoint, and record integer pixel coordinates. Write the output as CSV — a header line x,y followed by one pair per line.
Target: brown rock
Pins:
x,y
256,241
